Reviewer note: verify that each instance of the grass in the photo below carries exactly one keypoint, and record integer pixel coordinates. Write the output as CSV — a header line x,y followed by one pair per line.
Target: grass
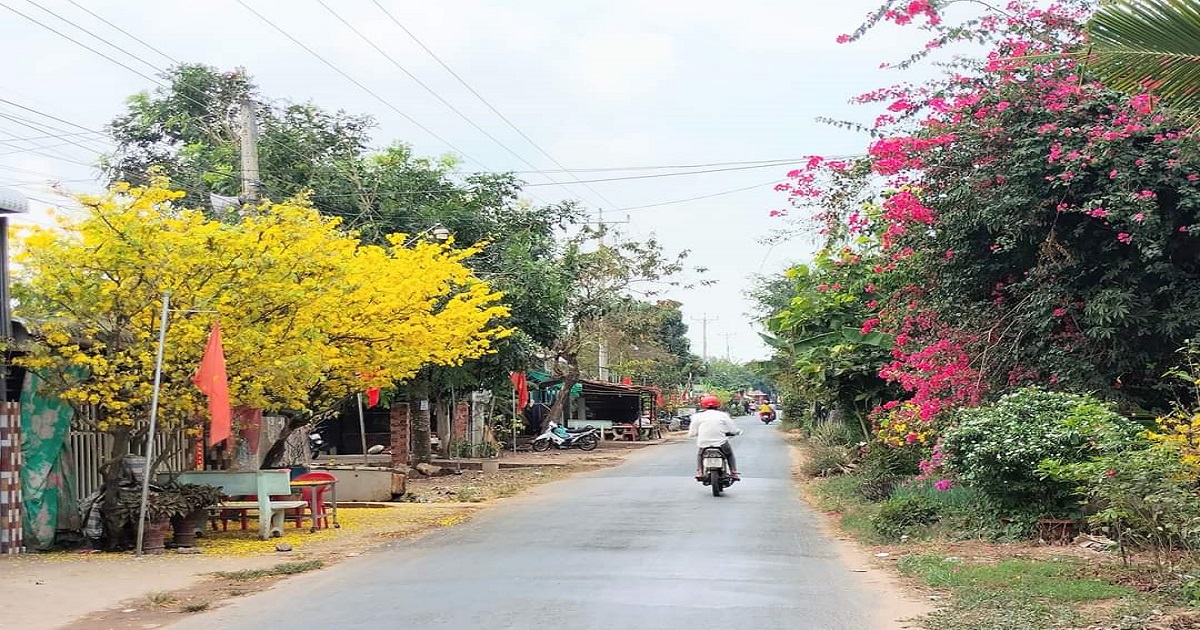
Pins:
x,y
194,607
286,568
1012,593
840,494
161,598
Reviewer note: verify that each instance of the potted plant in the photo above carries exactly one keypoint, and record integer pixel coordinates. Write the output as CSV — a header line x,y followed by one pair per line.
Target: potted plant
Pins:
x,y
199,498
161,507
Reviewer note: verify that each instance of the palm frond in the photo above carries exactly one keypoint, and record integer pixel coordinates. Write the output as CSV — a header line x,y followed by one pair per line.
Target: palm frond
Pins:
x,y
1149,46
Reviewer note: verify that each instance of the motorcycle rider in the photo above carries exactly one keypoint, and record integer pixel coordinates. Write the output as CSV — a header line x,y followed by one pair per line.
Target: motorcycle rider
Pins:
x,y
766,408
712,427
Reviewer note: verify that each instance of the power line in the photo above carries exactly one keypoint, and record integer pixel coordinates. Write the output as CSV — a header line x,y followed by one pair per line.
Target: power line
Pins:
x,y
482,99
716,194
51,117
149,78
356,82
428,89
54,136
588,181
125,32
77,42
40,127
660,167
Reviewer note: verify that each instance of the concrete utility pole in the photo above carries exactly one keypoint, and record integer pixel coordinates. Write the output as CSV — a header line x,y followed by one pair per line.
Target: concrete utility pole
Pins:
x,y
704,333
251,192
728,356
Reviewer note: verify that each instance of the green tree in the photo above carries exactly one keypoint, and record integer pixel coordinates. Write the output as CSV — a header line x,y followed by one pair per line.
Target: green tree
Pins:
x,y
605,269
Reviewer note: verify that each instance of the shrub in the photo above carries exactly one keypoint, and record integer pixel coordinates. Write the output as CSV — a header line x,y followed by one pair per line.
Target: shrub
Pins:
x,y
1145,498
998,448
904,515
834,434
886,461
824,461
876,489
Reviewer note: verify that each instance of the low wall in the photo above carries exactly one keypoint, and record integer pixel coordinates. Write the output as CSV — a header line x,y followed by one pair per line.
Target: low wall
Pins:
x,y
367,484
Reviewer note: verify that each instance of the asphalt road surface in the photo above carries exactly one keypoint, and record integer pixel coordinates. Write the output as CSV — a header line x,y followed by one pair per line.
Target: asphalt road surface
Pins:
x,y
642,545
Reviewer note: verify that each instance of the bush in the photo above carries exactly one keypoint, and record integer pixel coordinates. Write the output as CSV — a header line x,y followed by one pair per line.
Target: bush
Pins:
x,y
825,461
1145,498
834,434
876,489
882,460
904,515
998,449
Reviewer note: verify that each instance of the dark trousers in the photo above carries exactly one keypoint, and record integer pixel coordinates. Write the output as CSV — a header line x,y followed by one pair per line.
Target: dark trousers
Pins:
x,y
725,448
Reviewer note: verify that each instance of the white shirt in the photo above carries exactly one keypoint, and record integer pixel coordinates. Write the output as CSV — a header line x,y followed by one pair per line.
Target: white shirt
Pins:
x,y
710,426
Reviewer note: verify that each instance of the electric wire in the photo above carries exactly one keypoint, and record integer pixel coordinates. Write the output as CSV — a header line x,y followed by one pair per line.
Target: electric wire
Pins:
x,y
430,90
356,82
483,100
126,33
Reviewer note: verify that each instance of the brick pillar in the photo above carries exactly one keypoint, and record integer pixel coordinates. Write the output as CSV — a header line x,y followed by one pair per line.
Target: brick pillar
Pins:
x,y
400,433
462,422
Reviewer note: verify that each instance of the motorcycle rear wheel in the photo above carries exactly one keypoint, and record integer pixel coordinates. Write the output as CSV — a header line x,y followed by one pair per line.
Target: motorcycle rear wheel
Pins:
x,y
714,480
587,443
541,445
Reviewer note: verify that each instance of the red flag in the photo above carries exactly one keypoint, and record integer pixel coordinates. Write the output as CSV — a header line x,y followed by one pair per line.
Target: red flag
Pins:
x,y
522,384
212,380
625,380
372,397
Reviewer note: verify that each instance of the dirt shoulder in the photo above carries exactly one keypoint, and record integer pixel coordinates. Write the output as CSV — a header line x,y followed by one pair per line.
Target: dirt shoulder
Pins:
x,y
899,602
115,590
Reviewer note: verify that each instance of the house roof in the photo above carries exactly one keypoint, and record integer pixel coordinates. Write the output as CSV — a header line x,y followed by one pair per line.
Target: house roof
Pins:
x,y
604,388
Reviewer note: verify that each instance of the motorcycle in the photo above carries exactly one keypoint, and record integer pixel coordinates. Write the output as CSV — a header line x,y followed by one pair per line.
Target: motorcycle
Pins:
x,y
766,416
585,439
716,469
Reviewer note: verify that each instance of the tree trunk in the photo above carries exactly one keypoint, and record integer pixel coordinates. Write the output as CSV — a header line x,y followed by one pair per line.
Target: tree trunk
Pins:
x,y
558,409
445,426
418,396
114,472
274,456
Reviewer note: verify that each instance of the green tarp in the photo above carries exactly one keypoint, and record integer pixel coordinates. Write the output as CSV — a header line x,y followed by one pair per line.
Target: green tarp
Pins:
x,y
45,423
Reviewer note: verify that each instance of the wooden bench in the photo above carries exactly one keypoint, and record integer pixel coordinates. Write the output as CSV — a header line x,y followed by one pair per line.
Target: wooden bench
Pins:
x,y
260,483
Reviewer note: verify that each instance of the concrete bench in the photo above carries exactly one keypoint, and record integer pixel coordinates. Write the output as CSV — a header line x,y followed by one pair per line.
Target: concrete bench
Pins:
x,y
260,483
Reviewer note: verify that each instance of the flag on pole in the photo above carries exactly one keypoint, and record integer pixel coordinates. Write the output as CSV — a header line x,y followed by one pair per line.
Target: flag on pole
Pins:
x,y
372,397
211,379
522,386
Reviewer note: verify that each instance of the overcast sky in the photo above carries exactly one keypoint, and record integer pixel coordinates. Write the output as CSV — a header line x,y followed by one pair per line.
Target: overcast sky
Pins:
x,y
595,84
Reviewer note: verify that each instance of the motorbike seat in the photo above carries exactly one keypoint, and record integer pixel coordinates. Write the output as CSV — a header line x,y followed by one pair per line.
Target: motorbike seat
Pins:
x,y
578,429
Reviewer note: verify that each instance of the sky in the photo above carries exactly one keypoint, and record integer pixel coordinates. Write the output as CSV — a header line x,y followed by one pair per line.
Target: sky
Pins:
x,y
597,85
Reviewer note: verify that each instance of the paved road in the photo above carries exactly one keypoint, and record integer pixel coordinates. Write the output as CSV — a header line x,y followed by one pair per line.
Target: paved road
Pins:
x,y
638,546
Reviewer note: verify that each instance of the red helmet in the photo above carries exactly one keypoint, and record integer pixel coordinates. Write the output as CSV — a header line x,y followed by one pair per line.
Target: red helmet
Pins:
x,y
710,402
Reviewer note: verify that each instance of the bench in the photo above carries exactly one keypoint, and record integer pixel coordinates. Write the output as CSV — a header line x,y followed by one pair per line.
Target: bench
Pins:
x,y
260,483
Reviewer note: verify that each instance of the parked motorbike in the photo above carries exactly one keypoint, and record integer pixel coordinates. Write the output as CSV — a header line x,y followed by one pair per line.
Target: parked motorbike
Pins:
x,y
766,416
716,469
317,445
585,439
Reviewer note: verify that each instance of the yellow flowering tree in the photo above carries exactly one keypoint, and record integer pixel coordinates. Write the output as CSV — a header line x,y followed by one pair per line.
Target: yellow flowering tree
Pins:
x,y
305,309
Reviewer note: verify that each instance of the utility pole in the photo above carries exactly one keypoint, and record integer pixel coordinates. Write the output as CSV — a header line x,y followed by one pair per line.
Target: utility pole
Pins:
x,y
728,357
251,192
704,333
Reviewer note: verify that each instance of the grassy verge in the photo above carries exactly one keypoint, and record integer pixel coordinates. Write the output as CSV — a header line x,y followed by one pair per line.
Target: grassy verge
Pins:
x,y
980,584
1024,593
285,568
